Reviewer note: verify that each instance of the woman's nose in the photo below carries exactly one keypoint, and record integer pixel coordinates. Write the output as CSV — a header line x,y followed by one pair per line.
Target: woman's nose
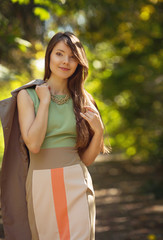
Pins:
x,y
66,59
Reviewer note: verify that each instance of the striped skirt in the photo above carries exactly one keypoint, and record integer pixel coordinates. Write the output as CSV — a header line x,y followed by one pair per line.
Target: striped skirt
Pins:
x,y
60,196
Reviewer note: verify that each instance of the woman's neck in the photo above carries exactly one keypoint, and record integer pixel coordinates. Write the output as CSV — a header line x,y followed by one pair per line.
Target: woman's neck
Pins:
x,y
58,86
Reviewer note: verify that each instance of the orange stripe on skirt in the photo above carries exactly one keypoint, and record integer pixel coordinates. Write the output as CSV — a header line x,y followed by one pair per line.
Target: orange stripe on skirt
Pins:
x,y
60,203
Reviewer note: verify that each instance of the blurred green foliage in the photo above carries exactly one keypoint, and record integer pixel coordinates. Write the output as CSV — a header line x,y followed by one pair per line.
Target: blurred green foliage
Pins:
x,y
123,42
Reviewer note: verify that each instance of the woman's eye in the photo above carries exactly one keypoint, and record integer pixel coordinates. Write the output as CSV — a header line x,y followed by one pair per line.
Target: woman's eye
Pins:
x,y
73,57
59,54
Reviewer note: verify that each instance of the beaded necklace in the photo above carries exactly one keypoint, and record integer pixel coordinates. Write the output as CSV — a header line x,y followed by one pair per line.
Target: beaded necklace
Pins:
x,y
58,100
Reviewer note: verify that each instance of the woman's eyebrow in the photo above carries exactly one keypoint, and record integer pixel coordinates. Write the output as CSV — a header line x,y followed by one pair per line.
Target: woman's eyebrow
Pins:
x,y
60,50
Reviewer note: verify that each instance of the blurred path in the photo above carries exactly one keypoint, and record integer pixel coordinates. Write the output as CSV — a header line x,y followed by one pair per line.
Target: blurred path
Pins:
x,y
123,212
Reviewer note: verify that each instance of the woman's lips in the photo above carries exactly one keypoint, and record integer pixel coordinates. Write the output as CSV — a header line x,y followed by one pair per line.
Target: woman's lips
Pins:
x,y
64,69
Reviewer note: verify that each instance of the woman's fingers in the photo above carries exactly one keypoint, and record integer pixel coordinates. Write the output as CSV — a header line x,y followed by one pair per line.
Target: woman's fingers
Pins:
x,y
94,121
89,116
85,116
43,92
91,108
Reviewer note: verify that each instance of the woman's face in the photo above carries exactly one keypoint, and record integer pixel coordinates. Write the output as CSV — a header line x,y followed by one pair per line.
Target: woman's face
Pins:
x,y
62,61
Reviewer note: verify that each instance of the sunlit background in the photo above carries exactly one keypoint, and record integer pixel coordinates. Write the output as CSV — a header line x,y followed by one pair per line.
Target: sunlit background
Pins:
x,y
123,40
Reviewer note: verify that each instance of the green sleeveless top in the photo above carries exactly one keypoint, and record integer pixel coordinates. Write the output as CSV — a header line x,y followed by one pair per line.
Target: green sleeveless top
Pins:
x,y
61,128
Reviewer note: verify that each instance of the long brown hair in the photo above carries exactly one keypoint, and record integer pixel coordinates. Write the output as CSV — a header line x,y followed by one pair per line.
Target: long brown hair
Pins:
x,y
75,85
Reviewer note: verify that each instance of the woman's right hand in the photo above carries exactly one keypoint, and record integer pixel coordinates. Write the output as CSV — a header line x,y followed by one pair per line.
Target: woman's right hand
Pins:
x,y
43,93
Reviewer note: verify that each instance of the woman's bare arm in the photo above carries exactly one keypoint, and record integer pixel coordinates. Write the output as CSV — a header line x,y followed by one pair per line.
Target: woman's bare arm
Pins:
x,y
94,119
92,150
33,128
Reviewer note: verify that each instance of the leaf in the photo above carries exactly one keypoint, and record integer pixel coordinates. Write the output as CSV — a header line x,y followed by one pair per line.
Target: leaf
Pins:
x,y
41,13
21,1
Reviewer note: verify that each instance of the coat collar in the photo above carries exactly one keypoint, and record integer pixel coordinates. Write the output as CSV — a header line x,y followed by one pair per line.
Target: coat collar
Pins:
x,y
30,84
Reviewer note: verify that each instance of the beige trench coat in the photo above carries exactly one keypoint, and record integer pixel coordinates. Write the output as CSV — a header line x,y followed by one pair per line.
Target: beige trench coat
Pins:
x,y
14,170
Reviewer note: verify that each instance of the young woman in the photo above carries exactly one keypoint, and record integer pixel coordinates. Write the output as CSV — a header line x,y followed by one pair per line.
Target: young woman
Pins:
x,y
63,132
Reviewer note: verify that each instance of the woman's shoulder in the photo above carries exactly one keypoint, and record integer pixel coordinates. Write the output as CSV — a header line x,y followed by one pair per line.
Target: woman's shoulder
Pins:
x,y
33,95
23,96
26,92
30,90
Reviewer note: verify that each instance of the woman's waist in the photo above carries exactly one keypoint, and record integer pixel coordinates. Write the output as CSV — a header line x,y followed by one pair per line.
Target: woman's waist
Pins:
x,y
54,158
59,141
